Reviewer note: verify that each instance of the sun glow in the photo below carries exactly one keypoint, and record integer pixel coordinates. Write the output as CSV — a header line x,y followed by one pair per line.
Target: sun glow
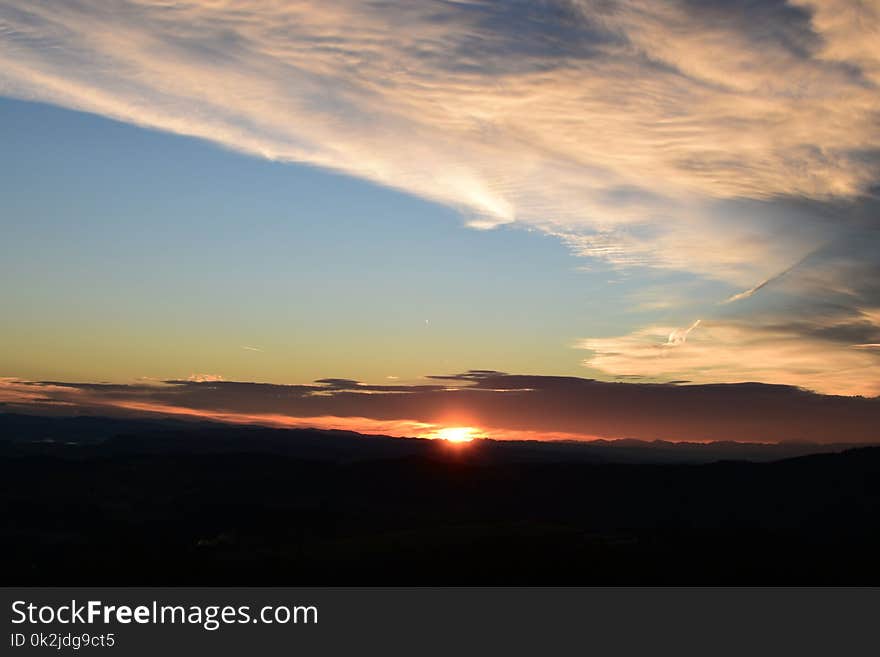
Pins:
x,y
456,434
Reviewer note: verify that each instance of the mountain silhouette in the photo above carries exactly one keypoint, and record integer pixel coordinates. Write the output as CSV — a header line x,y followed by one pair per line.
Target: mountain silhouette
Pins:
x,y
164,504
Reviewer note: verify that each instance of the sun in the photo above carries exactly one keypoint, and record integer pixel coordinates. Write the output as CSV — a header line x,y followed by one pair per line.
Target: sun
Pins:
x,y
456,434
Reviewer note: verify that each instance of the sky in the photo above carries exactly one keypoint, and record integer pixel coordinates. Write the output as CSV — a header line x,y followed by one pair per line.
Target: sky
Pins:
x,y
679,194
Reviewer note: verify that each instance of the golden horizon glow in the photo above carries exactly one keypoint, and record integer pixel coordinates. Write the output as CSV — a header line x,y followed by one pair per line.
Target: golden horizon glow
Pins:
x,y
455,434
176,400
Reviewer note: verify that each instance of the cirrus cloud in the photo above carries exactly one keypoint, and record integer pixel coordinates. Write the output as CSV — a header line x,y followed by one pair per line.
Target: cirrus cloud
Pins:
x,y
812,356
580,116
730,140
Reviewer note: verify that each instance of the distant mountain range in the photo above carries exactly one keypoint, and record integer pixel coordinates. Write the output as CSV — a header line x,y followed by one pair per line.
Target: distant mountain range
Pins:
x,y
27,432
97,501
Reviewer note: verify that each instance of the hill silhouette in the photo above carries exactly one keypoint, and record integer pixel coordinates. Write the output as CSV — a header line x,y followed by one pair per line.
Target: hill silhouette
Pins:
x,y
79,434
202,504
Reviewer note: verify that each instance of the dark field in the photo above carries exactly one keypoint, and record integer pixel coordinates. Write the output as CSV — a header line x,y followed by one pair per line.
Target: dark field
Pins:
x,y
165,505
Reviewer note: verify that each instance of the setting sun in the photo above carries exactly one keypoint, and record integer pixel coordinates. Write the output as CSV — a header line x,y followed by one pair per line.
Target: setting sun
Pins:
x,y
456,434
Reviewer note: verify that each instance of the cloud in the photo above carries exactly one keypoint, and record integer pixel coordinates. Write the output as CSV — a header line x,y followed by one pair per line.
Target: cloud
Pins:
x,y
574,116
722,139
16,392
815,356
204,378
502,406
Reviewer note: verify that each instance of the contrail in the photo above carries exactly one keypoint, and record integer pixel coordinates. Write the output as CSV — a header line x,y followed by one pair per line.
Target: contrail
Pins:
x,y
745,295
679,336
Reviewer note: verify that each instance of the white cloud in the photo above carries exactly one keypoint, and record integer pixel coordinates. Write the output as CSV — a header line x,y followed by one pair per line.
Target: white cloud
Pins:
x,y
650,113
634,130
734,352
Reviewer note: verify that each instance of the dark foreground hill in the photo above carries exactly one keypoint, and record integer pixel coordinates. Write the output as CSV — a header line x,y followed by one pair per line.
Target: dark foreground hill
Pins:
x,y
167,507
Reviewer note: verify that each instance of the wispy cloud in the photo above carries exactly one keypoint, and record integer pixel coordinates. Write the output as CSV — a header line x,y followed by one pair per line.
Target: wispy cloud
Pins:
x,y
720,139
815,356
556,115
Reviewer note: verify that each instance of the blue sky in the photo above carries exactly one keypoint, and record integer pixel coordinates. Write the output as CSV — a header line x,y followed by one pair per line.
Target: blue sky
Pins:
x,y
282,192
134,253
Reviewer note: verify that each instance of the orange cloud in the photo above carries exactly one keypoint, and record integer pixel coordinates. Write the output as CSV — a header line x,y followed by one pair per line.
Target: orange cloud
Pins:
x,y
732,352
